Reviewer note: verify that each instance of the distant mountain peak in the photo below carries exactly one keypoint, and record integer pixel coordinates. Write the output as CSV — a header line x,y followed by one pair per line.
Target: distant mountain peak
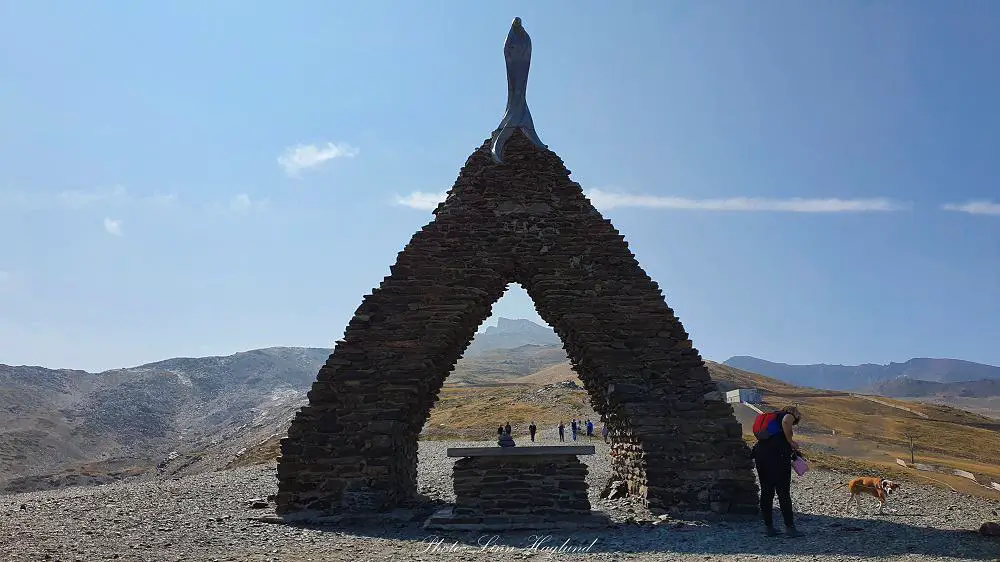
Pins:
x,y
510,333
513,323
517,325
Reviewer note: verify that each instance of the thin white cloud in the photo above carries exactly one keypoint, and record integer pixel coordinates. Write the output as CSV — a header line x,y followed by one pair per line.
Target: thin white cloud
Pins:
x,y
10,284
974,207
19,200
160,201
304,156
78,199
113,227
608,200
421,200
243,203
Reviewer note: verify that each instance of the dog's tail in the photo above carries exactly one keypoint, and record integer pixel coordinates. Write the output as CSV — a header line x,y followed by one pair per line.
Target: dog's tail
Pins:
x,y
839,485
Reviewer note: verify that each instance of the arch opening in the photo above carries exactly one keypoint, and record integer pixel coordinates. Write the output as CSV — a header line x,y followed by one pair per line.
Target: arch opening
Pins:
x,y
515,370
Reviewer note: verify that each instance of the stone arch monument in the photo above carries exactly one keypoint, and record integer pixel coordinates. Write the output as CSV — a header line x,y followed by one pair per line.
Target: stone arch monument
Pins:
x,y
514,215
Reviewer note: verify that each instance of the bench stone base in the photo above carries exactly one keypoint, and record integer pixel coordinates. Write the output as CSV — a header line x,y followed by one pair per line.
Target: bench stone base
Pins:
x,y
548,486
507,491
446,520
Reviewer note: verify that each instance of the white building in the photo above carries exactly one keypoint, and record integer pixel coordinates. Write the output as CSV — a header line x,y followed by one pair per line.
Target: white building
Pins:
x,y
744,395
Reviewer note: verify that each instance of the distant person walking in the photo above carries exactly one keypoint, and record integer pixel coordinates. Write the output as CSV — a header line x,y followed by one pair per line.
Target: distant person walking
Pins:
x,y
506,429
772,455
590,429
574,427
531,430
604,432
562,432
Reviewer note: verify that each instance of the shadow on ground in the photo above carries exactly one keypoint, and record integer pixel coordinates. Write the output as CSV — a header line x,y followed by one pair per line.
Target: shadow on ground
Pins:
x,y
888,536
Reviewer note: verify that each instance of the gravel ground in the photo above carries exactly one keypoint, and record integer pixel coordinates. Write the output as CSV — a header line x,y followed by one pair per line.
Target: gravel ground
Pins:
x,y
208,517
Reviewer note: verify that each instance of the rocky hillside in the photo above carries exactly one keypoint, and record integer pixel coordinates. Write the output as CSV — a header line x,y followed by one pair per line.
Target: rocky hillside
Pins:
x,y
188,415
847,429
60,425
500,365
905,387
184,414
855,377
981,396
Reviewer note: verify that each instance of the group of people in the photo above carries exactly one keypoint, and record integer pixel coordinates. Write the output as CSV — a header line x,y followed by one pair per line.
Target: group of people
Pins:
x,y
579,426
772,458
576,426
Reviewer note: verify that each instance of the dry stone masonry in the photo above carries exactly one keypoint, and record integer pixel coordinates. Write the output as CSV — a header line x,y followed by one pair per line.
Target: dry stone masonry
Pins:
x,y
676,445
518,488
549,485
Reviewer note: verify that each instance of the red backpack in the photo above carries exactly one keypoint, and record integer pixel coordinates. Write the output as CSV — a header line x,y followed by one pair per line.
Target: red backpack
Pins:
x,y
766,425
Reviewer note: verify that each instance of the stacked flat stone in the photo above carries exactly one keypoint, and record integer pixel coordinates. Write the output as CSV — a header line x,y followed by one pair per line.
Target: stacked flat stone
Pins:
x,y
676,443
538,486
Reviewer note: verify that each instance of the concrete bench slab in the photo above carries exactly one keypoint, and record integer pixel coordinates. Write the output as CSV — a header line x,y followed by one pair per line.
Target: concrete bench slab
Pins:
x,y
521,451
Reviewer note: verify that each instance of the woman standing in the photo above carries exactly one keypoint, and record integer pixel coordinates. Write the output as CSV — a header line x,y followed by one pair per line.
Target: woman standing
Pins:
x,y
773,457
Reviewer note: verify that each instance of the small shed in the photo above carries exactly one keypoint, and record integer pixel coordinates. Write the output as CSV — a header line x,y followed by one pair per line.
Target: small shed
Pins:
x,y
744,395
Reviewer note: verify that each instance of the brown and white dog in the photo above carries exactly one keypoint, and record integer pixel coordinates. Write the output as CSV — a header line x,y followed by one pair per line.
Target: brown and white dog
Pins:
x,y
879,488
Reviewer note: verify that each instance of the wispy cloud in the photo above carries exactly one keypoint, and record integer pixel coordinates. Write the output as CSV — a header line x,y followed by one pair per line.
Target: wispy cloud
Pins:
x,y
80,199
10,284
421,200
113,227
974,207
243,203
160,201
608,200
304,156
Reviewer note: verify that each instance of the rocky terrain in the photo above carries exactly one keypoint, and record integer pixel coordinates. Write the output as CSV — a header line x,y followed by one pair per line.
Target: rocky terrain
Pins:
x,y
60,427
981,396
188,415
861,377
63,427
905,387
491,366
165,461
225,515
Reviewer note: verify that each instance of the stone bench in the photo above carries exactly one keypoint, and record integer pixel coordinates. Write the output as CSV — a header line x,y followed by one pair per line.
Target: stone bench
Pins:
x,y
503,488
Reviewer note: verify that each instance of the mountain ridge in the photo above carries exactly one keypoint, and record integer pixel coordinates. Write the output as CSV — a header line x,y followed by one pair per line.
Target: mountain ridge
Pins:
x,y
181,413
857,377
186,414
511,333
907,387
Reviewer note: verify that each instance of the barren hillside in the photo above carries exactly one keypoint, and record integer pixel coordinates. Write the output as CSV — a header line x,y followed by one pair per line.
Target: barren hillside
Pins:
x,y
189,415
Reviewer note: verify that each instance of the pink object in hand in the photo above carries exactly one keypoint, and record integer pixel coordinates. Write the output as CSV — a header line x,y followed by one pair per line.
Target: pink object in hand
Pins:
x,y
800,466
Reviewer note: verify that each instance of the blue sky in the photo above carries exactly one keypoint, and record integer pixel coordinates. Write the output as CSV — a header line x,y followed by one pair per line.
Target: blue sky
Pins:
x,y
202,178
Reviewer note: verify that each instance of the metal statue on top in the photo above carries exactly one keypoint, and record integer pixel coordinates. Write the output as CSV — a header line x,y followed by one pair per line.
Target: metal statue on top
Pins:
x,y
517,52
